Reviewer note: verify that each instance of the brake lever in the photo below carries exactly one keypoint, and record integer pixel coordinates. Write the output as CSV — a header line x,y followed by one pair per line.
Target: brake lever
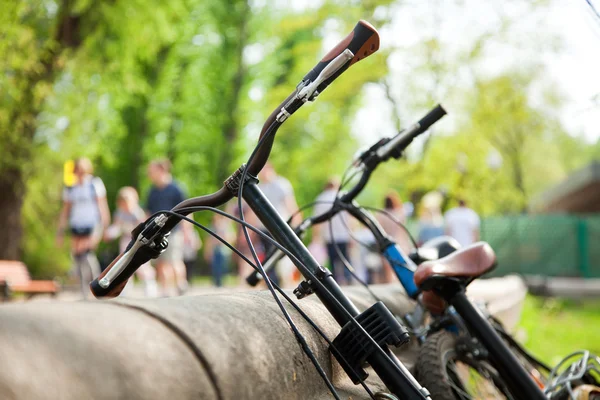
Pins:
x,y
370,151
122,262
308,91
147,236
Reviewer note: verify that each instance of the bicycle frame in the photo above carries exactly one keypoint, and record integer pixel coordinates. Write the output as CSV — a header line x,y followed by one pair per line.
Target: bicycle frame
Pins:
x,y
510,369
391,371
465,313
372,341
401,264
518,380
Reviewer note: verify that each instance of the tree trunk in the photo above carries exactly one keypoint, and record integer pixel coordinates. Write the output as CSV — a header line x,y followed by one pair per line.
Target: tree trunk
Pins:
x,y
12,192
23,125
231,126
519,181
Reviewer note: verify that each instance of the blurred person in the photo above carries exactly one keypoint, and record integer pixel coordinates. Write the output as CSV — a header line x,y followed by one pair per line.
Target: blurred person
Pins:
x,y
190,254
279,191
241,244
165,194
85,211
215,252
431,221
370,263
128,215
462,223
392,204
334,233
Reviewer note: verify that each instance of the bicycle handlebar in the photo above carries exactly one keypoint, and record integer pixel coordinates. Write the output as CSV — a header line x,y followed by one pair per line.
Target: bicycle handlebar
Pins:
x,y
109,284
147,243
399,142
359,44
382,153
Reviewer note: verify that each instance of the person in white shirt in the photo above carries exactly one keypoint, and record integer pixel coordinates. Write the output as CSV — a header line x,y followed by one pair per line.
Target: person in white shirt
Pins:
x,y
279,191
86,213
338,226
462,224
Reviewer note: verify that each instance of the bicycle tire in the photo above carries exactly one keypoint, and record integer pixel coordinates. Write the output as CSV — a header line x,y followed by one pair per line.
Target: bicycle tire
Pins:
x,y
435,372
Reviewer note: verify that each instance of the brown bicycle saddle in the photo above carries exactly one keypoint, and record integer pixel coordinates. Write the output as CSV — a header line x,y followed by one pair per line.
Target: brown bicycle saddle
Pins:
x,y
469,263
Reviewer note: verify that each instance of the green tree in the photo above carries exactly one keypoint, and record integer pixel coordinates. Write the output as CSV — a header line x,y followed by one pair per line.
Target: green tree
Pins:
x,y
36,41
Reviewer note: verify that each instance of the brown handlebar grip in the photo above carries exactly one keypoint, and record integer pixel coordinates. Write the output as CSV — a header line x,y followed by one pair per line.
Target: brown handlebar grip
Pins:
x,y
362,42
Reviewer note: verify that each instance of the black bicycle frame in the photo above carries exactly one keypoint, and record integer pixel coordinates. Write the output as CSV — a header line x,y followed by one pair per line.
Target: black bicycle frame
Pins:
x,y
391,371
518,380
520,383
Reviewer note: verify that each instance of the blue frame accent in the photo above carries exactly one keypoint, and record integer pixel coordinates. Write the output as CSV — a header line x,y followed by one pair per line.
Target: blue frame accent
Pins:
x,y
403,267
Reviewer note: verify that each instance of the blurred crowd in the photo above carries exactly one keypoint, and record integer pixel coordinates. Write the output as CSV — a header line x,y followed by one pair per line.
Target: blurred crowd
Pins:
x,y
346,247
85,216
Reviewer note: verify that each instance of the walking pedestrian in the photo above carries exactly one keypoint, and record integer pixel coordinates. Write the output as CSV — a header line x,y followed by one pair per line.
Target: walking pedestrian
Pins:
x,y
334,233
462,223
215,252
280,193
85,212
431,221
165,194
394,208
128,215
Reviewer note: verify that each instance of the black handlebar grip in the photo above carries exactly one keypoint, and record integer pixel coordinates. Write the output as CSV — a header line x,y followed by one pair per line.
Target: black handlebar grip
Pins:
x,y
362,42
431,118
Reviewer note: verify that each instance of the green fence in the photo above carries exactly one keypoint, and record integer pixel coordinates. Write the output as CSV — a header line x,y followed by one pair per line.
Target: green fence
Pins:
x,y
552,245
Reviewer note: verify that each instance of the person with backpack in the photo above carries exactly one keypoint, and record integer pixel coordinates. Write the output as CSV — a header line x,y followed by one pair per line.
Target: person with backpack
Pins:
x,y
85,213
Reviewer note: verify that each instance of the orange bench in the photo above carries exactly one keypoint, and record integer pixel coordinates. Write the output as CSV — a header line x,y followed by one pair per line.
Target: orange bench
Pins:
x,y
15,278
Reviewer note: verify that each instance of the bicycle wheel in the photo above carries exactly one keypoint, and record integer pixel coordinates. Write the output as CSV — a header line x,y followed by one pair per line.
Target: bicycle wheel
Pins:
x,y
450,374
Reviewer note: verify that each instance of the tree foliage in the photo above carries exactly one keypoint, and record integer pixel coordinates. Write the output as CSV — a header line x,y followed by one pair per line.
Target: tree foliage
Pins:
x,y
191,80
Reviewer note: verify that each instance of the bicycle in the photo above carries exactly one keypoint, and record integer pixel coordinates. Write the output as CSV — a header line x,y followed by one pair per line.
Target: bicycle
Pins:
x,y
454,333
403,266
484,350
364,337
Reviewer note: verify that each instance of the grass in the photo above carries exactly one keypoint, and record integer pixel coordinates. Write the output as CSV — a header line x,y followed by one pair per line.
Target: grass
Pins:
x,y
556,327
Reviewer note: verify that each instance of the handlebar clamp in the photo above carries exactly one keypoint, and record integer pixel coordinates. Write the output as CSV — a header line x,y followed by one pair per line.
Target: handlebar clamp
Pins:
x,y
233,182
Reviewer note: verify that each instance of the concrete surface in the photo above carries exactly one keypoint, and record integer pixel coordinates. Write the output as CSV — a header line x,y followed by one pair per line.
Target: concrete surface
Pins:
x,y
218,346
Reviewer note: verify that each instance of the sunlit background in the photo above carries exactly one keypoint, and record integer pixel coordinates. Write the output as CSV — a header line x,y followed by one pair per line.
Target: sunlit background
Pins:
x,y
193,80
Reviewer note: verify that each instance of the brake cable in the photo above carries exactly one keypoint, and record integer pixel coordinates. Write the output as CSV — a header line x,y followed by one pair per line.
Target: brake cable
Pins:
x,y
396,220
299,337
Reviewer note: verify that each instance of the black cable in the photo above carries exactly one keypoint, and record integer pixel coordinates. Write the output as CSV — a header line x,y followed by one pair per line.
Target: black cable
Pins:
x,y
344,181
304,207
299,337
333,348
396,220
311,276
357,240
593,8
295,260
